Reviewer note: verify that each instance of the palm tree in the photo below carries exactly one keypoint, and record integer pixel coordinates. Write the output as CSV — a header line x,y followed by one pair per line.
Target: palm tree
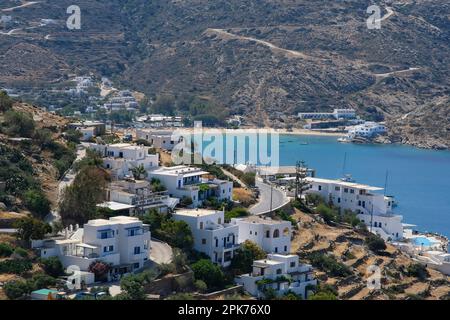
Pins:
x,y
139,172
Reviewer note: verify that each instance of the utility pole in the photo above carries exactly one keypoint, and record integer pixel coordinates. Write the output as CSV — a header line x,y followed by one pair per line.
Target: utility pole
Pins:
x,y
301,173
271,197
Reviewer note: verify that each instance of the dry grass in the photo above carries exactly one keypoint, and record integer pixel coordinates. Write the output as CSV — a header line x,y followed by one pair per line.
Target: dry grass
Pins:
x,y
244,196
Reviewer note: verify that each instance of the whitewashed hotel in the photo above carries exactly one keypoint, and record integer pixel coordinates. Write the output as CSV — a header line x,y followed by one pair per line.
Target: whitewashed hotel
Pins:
x,y
123,242
212,235
271,235
192,182
281,273
372,207
136,197
158,139
121,158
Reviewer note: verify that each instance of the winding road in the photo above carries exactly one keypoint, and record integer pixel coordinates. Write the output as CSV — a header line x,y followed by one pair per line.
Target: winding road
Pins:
x,y
263,206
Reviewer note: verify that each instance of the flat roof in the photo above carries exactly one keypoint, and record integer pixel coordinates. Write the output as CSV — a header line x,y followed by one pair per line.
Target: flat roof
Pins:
x,y
344,183
267,261
256,219
115,206
184,170
195,212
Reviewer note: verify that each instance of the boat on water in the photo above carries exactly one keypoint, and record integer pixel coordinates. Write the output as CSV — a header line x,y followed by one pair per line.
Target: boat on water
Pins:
x,y
344,140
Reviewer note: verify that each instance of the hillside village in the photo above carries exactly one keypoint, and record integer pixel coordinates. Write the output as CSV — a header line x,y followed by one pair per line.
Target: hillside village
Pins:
x,y
116,219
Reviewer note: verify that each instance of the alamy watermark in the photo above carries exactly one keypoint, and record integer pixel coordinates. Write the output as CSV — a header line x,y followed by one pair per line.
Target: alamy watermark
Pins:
x,y
74,20
222,146
374,277
374,21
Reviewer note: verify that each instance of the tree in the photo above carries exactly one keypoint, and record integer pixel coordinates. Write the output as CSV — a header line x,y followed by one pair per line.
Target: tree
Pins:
x,y
139,172
79,201
134,285
177,234
249,179
16,289
418,270
5,250
19,124
301,184
236,213
375,243
29,228
5,102
243,260
100,269
52,266
37,203
200,286
208,272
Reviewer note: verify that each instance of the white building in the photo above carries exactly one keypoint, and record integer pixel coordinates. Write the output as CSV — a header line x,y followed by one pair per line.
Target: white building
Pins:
x,y
138,197
192,182
161,121
281,273
336,114
367,130
372,208
158,139
121,158
212,235
271,235
123,242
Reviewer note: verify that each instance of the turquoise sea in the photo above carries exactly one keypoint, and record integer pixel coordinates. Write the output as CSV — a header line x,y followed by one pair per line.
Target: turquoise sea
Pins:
x,y
419,179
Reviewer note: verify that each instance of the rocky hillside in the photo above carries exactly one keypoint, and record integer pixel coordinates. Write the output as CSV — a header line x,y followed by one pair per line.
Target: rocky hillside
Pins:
x,y
260,58
348,248
33,156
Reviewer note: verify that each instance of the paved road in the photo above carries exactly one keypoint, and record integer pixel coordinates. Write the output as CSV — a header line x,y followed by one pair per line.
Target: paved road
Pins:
x,y
161,252
279,199
66,181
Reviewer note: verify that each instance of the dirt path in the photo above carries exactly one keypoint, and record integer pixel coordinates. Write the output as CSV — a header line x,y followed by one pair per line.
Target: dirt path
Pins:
x,y
289,53
24,5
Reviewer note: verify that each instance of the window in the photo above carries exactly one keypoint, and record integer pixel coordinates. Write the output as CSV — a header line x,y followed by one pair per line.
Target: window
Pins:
x,y
256,233
292,264
276,233
201,225
339,200
251,232
285,248
136,265
268,234
276,249
137,250
337,188
203,241
352,191
346,190
279,271
320,188
108,249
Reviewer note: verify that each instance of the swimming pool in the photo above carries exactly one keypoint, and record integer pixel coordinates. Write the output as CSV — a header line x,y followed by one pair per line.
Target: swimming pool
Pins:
x,y
423,241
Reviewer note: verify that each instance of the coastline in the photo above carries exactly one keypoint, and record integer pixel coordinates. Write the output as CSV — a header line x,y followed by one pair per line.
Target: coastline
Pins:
x,y
299,132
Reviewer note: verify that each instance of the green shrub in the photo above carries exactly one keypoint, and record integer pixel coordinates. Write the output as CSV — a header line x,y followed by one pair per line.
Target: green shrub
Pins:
x,y
375,243
329,264
37,203
52,266
21,252
19,124
201,286
327,213
208,272
5,250
5,102
417,270
236,213
16,289
243,259
41,281
15,266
